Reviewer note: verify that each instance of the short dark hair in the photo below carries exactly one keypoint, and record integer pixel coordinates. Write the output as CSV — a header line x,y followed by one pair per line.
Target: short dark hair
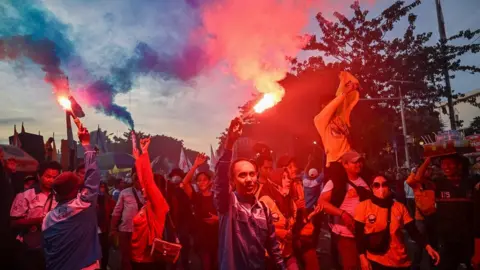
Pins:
x,y
53,165
261,160
80,166
207,174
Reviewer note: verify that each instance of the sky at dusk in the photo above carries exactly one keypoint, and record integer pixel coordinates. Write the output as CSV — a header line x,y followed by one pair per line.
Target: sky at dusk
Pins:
x,y
197,110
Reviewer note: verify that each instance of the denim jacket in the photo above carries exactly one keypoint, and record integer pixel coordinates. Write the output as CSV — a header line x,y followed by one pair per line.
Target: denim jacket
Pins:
x,y
245,232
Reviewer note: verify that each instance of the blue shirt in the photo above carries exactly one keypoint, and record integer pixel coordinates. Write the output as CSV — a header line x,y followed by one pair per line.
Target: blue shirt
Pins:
x,y
312,190
246,230
70,233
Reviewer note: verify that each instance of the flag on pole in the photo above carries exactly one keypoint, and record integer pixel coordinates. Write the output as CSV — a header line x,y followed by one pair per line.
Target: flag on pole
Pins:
x,y
184,164
54,152
102,147
16,140
213,159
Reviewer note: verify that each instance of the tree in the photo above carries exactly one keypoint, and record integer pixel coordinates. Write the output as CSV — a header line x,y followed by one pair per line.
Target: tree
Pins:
x,y
359,45
475,125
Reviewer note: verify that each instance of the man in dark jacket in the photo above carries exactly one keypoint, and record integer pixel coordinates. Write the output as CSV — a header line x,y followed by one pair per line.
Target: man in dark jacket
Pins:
x,y
246,229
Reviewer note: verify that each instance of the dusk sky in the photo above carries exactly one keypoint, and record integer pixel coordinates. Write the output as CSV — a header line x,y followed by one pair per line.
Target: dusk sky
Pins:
x,y
196,111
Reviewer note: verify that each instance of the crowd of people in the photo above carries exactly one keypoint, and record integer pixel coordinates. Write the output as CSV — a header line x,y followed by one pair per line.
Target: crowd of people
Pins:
x,y
257,213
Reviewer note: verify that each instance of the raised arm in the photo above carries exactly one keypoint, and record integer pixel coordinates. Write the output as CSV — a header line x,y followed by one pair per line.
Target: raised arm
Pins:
x,y
145,176
187,180
348,83
221,185
92,173
420,175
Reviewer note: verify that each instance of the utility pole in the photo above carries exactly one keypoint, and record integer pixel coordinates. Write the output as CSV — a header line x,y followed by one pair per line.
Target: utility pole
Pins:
x,y
402,116
443,42
404,127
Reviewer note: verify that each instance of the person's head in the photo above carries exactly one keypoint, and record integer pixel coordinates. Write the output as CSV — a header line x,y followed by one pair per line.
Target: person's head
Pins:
x,y
66,186
244,174
12,165
111,181
103,188
204,181
135,181
176,176
290,164
160,181
120,184
265,166
380,187
47,172
29,181
451,166
352,162
312,174
80,171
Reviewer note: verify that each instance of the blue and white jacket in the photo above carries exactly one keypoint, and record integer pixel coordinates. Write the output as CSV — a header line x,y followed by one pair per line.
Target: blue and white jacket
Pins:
x,y
70,236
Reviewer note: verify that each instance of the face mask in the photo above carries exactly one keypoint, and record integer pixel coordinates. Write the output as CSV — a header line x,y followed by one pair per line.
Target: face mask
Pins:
x,y
176,179
380,192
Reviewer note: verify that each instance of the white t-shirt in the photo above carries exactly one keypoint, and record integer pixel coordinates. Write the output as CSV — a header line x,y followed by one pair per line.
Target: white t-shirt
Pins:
x,y
348,205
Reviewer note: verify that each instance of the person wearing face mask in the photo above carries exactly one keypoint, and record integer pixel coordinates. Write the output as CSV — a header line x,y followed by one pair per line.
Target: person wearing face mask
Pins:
x,y
276,194
379,224
130,201
105,206
181,213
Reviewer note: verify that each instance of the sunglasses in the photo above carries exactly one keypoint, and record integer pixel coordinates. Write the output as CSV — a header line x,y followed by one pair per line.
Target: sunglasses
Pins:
x,y
379,185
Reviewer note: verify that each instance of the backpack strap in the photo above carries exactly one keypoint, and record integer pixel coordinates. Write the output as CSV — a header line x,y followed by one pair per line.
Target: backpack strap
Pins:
x,y
139,203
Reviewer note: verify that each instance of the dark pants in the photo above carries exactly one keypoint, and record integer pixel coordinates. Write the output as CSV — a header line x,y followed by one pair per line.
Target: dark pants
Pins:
x,y
209,258
33,259
149,266
377,266
452,254
310,259
105,244
125,244
345,249
184,237
411,207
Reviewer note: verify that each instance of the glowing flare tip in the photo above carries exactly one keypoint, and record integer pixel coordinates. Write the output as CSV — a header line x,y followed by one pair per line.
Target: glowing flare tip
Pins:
x,y
268,100
65,102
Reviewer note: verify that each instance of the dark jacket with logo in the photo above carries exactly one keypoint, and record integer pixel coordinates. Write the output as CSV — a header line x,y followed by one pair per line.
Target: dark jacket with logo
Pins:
x,y
455,206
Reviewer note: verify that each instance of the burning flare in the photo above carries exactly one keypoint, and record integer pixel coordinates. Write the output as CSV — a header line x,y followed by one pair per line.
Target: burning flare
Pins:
x,y
268,100
65,102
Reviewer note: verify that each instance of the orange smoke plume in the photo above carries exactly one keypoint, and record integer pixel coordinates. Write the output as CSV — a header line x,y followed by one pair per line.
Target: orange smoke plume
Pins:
x,y
255,38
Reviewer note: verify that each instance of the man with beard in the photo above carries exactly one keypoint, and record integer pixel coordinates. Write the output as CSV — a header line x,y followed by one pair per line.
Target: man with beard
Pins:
x,y
245,225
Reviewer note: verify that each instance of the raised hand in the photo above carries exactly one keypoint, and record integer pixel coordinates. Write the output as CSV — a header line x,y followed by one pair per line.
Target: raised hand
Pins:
x,y
144,144
201,158
83,136
211,220
234,132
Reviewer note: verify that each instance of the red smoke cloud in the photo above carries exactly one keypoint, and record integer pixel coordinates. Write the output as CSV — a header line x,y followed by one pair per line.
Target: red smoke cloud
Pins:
x,y
254,38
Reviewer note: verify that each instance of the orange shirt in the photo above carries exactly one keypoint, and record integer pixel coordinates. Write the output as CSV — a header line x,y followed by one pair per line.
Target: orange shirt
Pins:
x,y
333,122
375,220
149,222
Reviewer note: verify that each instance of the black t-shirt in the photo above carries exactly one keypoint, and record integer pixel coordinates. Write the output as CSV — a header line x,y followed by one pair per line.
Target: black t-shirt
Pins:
x,y
455,208
203,206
